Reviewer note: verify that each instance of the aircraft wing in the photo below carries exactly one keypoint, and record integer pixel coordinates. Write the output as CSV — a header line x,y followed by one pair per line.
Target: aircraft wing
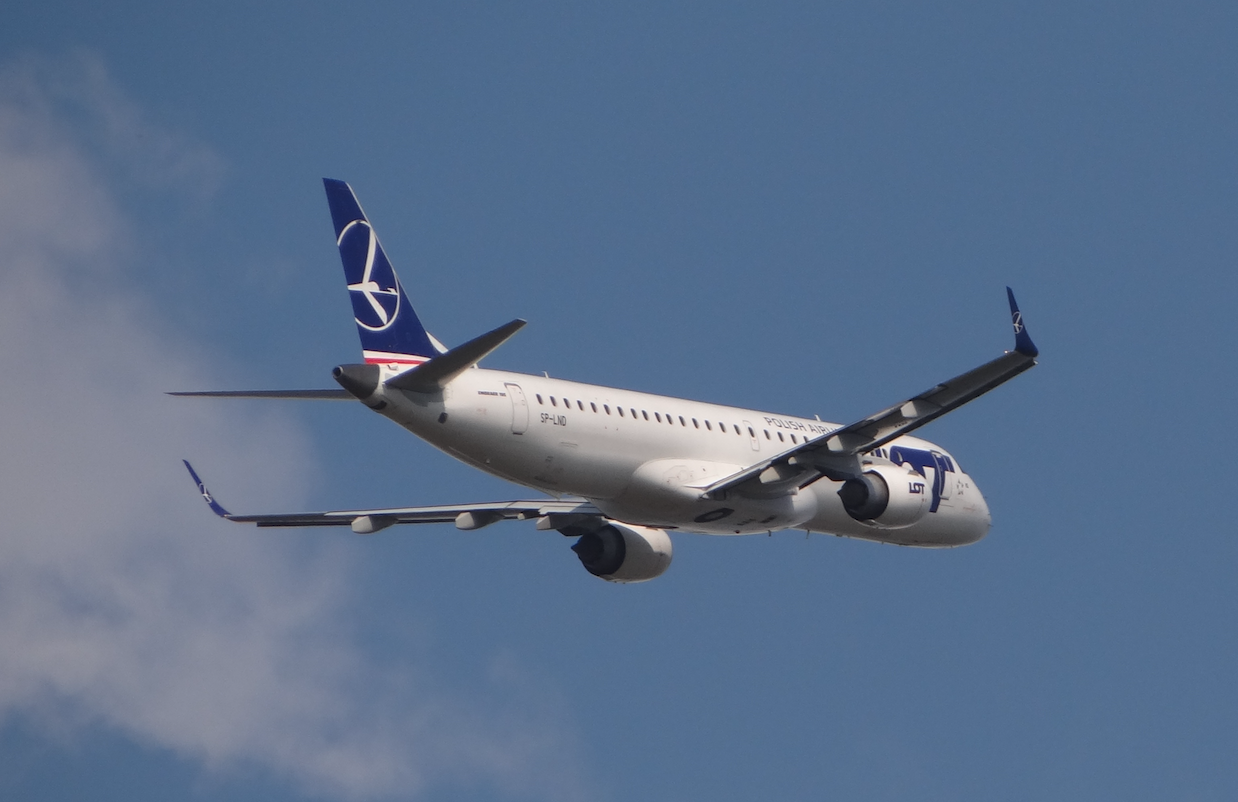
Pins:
x,y
834,453
303,395
554,512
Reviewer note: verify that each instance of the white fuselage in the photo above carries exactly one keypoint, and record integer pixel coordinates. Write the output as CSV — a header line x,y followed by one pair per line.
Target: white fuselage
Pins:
x,y
644,459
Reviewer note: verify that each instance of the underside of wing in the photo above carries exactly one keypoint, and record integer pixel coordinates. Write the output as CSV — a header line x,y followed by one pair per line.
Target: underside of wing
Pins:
x,y
608,549
879,429
834,454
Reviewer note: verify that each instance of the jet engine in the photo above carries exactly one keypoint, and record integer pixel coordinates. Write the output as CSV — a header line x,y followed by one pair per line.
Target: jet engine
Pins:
x,y
624,553
888,496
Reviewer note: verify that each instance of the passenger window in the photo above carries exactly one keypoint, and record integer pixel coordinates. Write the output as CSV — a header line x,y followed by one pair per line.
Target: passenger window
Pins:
x,y
751,433
682,422
620,411
607,408
633,413
737,431
793,440
646,414
539,399
707,426
695,424
553,403
767,437
658,416
593,406
780,438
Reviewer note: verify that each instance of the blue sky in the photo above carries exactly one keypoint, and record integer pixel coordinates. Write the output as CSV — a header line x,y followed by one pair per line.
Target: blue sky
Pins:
x,y
807,208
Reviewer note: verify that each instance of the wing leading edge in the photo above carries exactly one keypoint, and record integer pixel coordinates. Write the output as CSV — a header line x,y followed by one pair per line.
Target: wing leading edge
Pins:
x,y
551,514
834,453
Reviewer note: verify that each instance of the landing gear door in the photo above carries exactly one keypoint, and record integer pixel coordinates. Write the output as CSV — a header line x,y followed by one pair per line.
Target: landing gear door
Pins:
x,y
520,408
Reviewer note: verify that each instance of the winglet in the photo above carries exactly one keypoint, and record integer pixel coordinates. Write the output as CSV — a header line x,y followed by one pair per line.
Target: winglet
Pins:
x,y
1022,340
210,501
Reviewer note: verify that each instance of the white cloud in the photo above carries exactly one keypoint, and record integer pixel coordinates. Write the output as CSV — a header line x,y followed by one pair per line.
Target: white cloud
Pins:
x,y
122,603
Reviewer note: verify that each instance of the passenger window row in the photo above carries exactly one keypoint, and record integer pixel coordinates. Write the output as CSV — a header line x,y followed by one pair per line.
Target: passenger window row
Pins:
x,y
658,417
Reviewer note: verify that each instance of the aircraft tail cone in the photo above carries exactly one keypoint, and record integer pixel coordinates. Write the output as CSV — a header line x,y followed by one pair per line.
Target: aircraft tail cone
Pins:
x,y
359,380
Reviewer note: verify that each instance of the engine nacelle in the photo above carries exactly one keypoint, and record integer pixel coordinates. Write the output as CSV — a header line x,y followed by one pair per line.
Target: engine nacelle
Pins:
x,y
624,552
888,496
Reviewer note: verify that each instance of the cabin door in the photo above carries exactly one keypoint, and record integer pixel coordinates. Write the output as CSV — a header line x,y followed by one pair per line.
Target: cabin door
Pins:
x,y
520,408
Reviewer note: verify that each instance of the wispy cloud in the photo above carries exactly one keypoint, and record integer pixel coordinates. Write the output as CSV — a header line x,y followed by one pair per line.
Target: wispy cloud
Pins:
x,y
122,604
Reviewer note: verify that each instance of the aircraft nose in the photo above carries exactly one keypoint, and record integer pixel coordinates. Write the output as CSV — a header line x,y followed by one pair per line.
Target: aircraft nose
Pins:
x,y
979,516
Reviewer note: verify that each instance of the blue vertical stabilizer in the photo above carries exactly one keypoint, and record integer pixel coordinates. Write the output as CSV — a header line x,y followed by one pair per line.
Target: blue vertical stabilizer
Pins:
x,y
389,328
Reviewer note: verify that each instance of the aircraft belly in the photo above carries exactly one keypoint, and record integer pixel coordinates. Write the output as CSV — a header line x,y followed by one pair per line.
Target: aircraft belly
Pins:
x,y
666,493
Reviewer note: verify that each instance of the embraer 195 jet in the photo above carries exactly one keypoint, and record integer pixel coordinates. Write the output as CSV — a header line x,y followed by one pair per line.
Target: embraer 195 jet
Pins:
x,y
624,468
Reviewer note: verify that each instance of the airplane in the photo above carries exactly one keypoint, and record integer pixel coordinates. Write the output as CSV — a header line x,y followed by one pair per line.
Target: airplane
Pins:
x,y
623,468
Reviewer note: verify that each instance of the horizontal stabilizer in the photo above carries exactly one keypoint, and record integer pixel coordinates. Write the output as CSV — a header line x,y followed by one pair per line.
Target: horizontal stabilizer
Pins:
x,y
433,375
304,395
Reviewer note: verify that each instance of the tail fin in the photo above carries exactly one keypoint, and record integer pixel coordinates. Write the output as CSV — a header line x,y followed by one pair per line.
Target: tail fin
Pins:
x,y
390,330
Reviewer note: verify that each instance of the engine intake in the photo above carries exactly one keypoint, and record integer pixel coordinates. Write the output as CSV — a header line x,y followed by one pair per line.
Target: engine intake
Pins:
x,y
624,553
889,496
